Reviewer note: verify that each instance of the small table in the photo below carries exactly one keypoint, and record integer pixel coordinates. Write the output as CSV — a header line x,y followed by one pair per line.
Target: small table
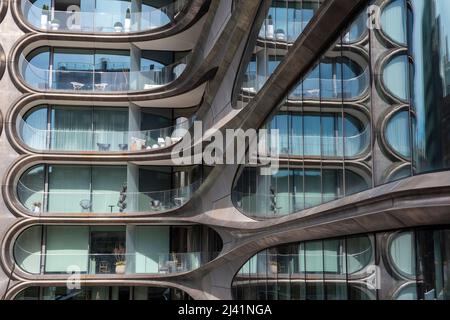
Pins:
x,y
77,85
179,201
111,206
100,86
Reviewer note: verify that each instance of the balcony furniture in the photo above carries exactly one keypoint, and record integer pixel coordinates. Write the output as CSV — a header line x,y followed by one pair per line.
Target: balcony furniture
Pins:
x,y
123,146
161,142
77,85
179,201
163,268
175,139
100,86
103,267
111,207
156,146
151,86
54,24
249,90
137,144
155,205
75,27
85,205
313,92
104,146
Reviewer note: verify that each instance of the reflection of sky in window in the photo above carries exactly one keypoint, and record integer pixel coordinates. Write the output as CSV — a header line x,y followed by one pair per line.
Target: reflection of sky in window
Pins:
x,y
292,19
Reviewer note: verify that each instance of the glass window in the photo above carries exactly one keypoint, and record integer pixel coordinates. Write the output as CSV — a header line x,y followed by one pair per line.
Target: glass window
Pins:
x,y
63,258
393,21
27,250
33,128
403,253
69,189
396,77
398,133
71,128
30,189
314,269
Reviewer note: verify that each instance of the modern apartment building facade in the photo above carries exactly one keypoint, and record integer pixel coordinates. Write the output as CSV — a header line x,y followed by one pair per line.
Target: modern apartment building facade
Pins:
x,y
97,94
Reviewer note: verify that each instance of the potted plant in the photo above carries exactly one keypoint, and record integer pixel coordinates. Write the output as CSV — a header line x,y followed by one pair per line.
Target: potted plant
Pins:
x,y
118,27
273,266
55,24
44,16
119,254
270,28
128,20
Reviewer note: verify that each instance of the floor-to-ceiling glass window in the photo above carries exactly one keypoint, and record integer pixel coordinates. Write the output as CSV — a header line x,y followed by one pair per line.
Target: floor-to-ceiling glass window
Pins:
x,y
333,79
285,21
75,69
102,293
100,15
394,265
292,190
102,129
320,134
134,249
58,188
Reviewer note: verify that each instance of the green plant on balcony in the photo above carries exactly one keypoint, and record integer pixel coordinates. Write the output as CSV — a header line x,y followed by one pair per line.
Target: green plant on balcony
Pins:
x,y
119,255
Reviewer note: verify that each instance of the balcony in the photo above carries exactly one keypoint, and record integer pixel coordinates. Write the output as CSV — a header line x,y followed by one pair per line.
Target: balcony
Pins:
x,y
115,250
287,32
313,88
101,129
86,190
293,190
106,72
102,292
101,16
332,89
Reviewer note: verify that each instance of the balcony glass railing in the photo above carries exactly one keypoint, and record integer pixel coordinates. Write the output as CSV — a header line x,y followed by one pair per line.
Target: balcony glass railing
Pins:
x,y
102,141
317,88
86,201
114,264
282,33
313,88
280,204
340,264
75,20
92,80
319,146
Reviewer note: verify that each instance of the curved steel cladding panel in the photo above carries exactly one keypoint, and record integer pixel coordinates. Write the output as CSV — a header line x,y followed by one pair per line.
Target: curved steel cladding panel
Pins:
x,y
3,9
152,24
2,62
